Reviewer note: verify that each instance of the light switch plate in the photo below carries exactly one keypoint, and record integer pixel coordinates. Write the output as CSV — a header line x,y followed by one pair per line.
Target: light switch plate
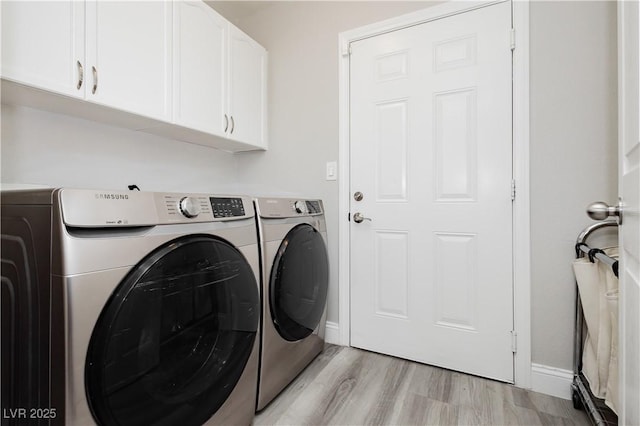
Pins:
x,y
332,170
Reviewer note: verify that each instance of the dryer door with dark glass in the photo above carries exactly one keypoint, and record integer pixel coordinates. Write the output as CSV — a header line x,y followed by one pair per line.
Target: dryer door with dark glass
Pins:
x,y
299,282
174,338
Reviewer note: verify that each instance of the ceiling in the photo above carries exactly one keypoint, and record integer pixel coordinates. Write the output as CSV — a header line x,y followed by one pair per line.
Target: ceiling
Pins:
x,y
236,10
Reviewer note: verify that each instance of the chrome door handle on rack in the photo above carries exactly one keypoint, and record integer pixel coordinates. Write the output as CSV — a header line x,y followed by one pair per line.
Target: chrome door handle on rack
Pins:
x,y
226,123
601,210
359,218
233,125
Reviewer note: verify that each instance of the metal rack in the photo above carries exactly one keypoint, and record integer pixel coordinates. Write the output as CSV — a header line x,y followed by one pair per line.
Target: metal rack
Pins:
x,y
581,395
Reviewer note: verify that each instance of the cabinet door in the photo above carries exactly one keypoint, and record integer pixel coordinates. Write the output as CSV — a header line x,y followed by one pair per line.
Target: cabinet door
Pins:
x,y
43,44
199,67
247,85
129,56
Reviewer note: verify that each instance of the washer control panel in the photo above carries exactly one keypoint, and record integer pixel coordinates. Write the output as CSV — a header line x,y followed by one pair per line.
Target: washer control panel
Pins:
x,y
86,208
181,208
177,206
227,207
189,207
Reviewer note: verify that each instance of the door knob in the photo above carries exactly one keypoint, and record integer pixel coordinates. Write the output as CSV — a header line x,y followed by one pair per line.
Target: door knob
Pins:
x,y
600,211
359,218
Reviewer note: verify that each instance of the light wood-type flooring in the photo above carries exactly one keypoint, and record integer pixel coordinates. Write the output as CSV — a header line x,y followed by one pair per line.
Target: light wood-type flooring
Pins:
x,y
347,386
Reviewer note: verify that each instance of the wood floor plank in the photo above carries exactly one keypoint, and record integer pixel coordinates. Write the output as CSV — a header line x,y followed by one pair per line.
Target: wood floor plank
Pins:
x,y
521,398
421,410
554,406
367,390
432,382
478,395
518,416
348,386
327,393
279,406
387,398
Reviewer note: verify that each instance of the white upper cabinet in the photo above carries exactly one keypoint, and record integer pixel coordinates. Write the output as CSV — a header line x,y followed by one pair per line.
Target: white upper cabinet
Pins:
x,y
115,54
247,89
200,67
219,76
43,45
129,56
174,68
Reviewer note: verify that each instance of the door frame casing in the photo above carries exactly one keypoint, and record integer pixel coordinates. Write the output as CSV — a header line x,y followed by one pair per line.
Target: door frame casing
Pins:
x,y
520,143
627,14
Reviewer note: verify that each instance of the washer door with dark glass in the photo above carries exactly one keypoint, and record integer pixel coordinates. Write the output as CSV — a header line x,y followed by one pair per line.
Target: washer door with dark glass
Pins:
x,y
175,337
299,282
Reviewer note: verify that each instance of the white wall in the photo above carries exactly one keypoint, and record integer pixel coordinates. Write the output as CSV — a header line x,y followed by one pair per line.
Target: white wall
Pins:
x,y
573,154
54,150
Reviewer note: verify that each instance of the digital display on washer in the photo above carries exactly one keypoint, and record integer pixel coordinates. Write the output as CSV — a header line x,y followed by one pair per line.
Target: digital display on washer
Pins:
x,y
313,207
227,207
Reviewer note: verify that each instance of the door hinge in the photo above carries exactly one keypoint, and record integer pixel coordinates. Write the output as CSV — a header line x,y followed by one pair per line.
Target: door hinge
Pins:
x,y
512,35
346,50
513,189
514,341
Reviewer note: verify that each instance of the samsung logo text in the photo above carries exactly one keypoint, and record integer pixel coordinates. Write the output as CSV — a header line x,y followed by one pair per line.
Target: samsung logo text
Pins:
x,y
112,196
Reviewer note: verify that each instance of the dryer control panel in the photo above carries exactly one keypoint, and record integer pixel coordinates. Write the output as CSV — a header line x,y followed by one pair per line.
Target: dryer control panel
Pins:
x,y
288,207
314,207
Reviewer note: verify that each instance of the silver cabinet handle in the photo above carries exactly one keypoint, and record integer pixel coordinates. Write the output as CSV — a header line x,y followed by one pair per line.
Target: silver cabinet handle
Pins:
x,y
226,123
233,125
359,218
600,211
95,80
80,75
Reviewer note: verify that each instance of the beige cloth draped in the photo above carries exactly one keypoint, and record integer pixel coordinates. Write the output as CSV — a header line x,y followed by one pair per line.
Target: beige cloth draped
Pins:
x,y
598,289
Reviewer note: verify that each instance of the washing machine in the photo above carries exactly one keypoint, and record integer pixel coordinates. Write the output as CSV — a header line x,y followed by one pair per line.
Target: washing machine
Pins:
x,y
295,279
128,308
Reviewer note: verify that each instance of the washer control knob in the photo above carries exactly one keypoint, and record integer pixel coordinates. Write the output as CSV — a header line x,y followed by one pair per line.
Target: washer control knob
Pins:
x,y
299,206
189,207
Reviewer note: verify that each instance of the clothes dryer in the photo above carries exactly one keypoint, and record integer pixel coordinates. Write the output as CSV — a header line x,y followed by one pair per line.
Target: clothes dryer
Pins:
x,y
295,280
128,308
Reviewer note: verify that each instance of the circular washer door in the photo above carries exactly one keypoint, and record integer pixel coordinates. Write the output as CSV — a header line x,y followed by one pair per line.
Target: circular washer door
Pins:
x,y
174,338
299,282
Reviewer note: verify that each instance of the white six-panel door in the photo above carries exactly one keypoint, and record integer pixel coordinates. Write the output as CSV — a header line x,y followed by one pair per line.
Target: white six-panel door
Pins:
x,y
629,181
431,153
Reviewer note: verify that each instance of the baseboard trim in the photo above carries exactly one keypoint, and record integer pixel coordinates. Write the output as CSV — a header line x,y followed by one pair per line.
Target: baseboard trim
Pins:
x,y
332,333
551,381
